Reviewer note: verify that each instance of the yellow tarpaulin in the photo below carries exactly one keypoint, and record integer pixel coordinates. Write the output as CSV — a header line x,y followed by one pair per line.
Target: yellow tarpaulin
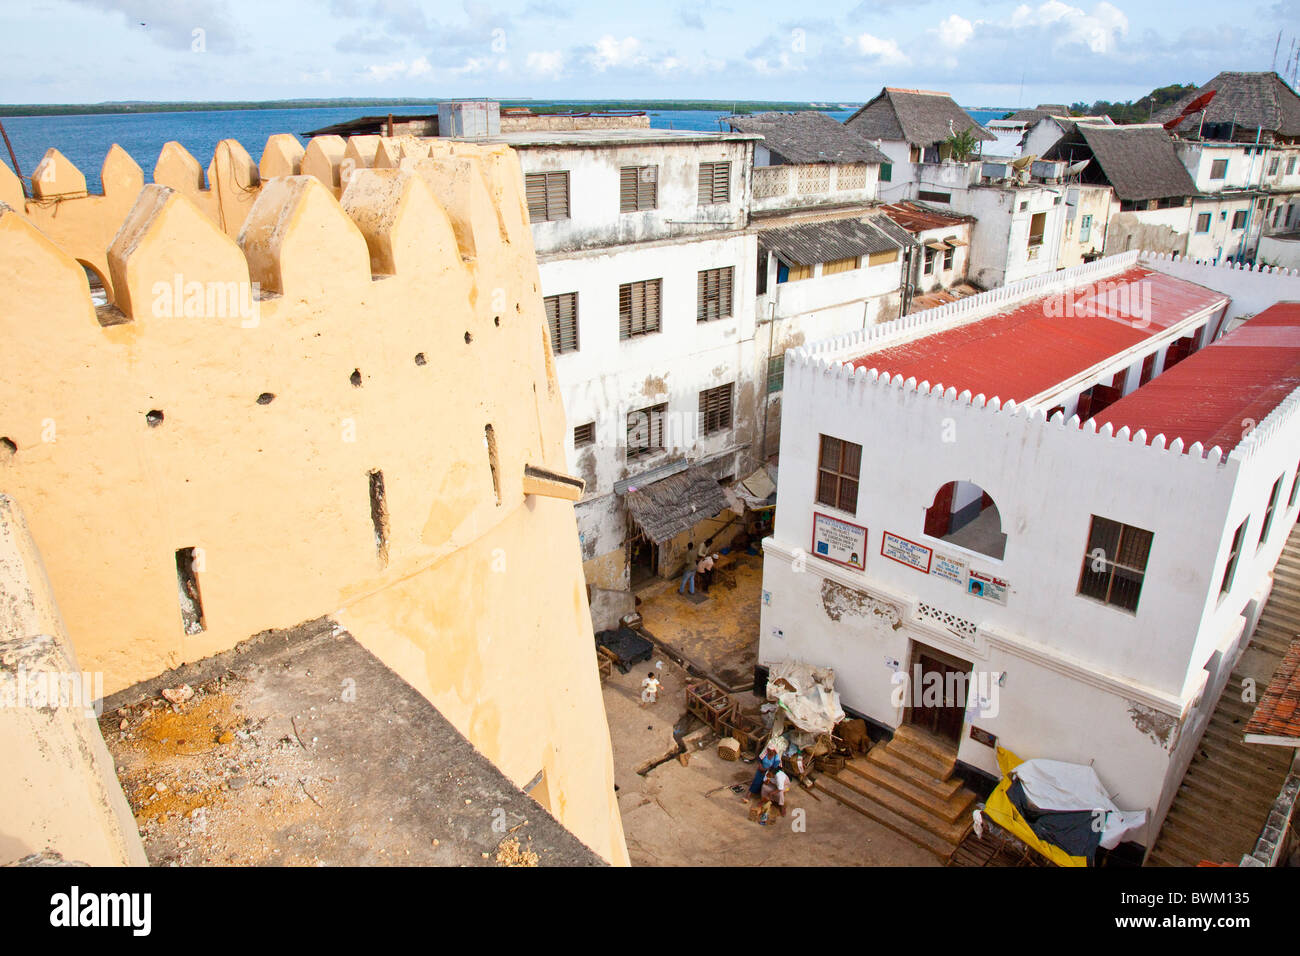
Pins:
x,y
1002,811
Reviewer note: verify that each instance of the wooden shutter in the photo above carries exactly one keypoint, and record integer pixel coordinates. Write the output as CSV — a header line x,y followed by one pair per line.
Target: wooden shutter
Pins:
x,y
627,188
638,308
713,294
638,188
562,316
584,434
547,195
715,408
715,183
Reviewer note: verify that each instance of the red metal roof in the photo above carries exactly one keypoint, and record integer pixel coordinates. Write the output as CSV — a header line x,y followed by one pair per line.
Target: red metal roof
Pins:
x,y
1278,713
1025,350
1210,396
916,218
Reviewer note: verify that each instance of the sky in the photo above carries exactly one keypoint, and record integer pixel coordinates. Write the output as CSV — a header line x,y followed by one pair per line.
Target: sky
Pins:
x,y
983,53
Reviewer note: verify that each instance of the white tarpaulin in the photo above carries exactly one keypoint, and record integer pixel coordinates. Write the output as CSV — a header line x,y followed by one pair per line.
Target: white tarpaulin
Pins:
x,y
806,695
1060,786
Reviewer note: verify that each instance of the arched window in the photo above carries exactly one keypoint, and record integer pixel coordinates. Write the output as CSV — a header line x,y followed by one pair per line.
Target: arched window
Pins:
x,y
965,515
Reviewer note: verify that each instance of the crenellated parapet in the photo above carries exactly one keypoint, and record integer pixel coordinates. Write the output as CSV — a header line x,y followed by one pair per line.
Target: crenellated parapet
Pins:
x,y
344,407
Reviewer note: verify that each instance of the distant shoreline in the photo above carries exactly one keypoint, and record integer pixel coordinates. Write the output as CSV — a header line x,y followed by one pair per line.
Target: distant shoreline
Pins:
x,y
539,106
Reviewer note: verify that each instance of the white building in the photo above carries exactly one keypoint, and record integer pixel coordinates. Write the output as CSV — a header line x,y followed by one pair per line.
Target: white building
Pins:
x,y
647,270
1091,585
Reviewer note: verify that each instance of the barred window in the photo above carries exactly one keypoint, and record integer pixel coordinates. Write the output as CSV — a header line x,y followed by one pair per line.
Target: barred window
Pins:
x,y
715,183
713,290
548,196
584,435
562,317
839,464
645,431
1115,563
639,307
715,409
638,188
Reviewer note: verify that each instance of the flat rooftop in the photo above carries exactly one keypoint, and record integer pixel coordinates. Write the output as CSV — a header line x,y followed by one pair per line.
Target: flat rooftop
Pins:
x,y
1206,397
606,137
1030,348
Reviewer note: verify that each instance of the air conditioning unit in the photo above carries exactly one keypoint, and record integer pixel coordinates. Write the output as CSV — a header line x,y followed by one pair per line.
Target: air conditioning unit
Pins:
x,y
1047,169
995,170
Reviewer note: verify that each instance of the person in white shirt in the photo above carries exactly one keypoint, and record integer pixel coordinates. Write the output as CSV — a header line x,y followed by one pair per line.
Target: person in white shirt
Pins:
x,y
650,689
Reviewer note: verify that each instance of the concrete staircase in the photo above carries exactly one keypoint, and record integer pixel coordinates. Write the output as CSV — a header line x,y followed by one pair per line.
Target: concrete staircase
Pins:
x,y
908,786
1230,785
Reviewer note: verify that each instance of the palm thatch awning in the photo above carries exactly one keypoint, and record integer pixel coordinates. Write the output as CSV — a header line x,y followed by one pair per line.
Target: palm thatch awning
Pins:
x,y
665,508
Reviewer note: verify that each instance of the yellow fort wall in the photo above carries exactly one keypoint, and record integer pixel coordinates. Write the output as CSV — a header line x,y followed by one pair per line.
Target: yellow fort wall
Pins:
x,y
390,328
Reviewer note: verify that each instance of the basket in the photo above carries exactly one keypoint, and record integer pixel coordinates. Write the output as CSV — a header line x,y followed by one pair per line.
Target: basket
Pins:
x,y
830,763
729,748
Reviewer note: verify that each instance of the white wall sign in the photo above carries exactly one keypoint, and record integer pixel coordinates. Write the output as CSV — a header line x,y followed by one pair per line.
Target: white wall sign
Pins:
x,y
949,568
906,552
985,585
840,541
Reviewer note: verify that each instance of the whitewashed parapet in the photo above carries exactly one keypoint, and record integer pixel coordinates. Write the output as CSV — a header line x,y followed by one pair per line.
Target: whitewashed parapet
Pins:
x,y
814,373
970,309
1274,422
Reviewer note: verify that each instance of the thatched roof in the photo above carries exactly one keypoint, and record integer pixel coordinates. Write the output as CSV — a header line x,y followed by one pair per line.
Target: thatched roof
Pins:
x,y
1041,111
827,241
665,508
1138,162
807,137
918,117
1248,100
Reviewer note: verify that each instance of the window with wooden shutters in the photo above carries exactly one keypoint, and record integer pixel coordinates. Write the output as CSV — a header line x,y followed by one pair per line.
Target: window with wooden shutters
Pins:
x,y
638,188
645,431
548,196
839,464
1230,571
584,435
776,376
840,265
1274,495
639,308
1115,563
713,287
715,183
562,316
715,409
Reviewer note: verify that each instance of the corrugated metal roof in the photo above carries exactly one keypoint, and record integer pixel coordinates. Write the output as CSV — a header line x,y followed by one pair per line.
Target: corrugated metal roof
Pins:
x,y
1206,397
1278,713
1025,351
665,508
827,241
915,217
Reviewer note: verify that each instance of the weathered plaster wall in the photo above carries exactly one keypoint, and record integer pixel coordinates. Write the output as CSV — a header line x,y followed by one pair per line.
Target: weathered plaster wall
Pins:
x,y
390,330
58,791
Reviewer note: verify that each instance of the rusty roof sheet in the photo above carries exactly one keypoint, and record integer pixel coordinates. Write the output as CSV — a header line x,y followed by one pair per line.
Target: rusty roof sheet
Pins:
x,y
917,217
834,239
1206,397
808,136
989,355
1278,715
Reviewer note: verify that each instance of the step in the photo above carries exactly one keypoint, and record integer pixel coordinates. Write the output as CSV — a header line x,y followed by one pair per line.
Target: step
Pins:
x,y
1220,846
948,809
1200,834
885,817
1243,801
938,747
948,830
913,774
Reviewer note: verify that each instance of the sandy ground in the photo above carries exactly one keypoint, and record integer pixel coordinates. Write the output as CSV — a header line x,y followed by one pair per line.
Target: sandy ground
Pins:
x,y
677,815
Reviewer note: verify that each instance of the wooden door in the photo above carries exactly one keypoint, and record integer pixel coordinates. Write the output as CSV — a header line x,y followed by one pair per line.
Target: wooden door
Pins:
x,y
939,516
944,712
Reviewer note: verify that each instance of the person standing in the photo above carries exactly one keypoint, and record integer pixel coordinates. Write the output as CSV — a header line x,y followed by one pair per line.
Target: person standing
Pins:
x,y
704,571
688,575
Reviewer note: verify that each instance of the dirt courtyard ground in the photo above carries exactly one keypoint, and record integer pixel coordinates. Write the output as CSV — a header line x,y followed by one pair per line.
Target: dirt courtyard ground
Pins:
x,y
677,815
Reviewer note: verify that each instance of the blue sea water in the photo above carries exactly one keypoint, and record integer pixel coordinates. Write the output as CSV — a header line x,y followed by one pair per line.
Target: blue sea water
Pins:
x,y
86,139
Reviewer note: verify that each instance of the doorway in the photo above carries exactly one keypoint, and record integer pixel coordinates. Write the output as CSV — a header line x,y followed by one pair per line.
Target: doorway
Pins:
x,y
939,687
642,559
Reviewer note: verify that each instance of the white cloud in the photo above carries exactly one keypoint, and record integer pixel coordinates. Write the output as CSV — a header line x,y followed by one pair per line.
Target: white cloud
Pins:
x,y
783,63
955,31
397,69
1100,30
883,52
611,52
545,63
